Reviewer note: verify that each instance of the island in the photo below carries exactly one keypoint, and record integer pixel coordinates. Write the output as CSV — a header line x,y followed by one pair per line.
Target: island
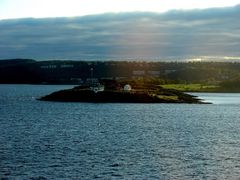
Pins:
x,y
97,93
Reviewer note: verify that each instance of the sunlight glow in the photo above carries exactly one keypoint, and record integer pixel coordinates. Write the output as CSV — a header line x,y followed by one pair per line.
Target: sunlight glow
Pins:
x,y
55,8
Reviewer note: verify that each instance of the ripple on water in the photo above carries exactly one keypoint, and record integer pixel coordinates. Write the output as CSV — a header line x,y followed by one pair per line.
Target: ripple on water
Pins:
x,y
44,140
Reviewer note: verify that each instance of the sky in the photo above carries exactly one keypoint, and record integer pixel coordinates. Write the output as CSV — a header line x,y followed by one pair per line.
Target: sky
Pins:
x,y
62,8
147,31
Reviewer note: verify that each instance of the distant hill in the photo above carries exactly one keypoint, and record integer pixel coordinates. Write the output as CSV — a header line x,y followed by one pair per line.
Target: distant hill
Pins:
x,y
76,72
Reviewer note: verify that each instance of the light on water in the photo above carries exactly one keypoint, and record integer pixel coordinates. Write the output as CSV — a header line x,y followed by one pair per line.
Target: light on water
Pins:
x,y
219,98
117,141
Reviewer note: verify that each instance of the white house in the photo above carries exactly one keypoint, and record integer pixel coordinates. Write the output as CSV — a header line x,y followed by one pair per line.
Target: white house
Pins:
x,y
127,87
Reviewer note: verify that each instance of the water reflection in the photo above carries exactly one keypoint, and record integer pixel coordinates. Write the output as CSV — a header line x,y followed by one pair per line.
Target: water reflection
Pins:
x,y
219,98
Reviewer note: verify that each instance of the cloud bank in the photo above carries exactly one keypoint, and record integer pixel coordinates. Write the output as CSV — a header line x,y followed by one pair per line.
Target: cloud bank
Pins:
x,y
120,36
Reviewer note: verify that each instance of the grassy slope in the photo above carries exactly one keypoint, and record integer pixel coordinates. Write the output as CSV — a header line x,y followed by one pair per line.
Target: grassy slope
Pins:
x,y
192,87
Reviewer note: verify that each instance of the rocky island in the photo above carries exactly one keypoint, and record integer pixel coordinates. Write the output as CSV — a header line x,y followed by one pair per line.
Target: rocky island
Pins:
x,y
127,94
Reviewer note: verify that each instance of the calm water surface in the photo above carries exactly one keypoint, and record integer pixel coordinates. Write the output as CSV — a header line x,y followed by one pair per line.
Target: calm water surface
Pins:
x,y
49,140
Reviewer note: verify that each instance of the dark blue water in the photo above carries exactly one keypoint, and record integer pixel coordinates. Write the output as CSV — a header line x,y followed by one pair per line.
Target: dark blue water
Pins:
x,y
47,140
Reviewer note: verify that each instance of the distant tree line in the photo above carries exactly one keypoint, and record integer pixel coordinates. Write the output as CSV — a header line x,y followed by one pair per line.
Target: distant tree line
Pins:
x,y
73,72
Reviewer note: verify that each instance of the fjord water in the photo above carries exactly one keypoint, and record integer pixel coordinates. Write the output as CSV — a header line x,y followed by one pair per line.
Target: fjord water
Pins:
x,y
50,140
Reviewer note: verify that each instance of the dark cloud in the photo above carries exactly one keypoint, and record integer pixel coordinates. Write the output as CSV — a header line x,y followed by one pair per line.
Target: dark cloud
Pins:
x,y
210,32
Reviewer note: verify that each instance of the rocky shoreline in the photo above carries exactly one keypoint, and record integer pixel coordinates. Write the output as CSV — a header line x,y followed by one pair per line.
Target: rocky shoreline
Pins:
x,y
120,96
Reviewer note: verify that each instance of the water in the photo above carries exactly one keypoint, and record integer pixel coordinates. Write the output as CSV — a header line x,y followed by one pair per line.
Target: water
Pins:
x,y
49,140
220,98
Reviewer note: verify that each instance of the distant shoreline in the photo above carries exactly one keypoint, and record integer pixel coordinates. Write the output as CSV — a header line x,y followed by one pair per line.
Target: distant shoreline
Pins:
x,y
185,91
186,77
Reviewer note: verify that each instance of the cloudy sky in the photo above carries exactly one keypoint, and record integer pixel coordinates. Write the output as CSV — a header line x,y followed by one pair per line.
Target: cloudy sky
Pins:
x,y
123,29
62,8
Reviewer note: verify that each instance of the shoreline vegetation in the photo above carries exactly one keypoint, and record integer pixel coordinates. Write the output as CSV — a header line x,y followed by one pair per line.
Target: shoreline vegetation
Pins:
x,y
202,88
223,77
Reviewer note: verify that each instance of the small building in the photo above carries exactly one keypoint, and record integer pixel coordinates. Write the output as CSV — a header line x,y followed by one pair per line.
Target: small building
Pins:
x,y
127,87
66,66
154,73
48,66
97,88
169,71
92,81
138,73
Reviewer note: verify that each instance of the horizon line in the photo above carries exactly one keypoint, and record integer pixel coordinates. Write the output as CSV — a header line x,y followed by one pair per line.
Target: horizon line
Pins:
x,y
120,12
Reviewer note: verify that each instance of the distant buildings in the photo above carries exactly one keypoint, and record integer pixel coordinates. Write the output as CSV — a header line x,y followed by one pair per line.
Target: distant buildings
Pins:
x,y
66,66
138,73
146,73
154,73
53,66
48,67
